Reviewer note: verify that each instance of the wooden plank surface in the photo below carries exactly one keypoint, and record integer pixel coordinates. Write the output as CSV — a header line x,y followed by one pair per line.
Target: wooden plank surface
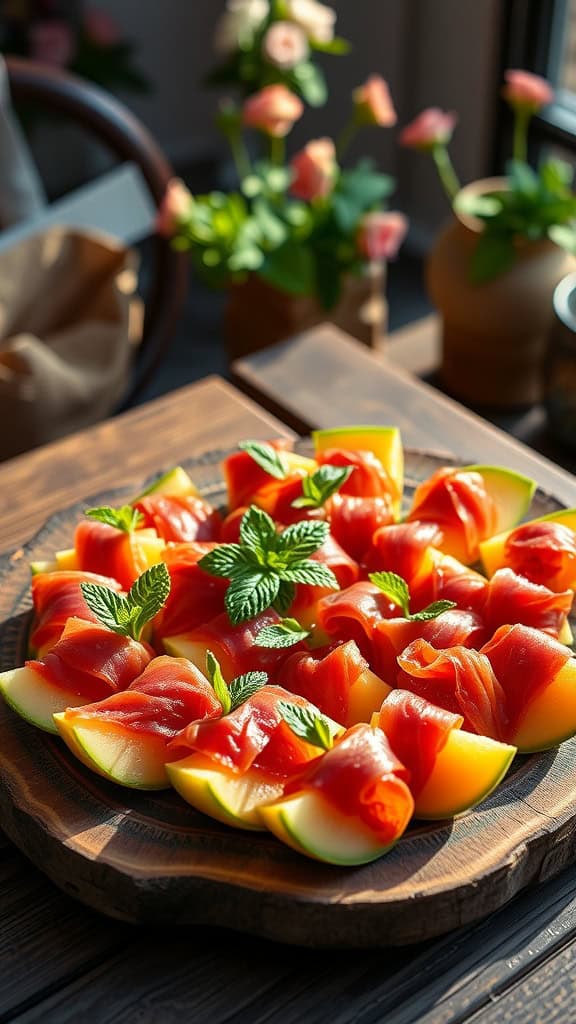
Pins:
x,y
323,378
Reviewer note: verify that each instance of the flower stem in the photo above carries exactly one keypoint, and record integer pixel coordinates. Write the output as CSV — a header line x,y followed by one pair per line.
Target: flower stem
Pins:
x,y
277,150
446,171
239,154
521,121
346,136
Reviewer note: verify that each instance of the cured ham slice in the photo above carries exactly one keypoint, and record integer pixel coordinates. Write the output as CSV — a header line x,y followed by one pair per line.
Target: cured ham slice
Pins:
x,y
544,552
352,614
354,520
180,517
195,597
404,548
450,580
244,476
57,596
111,552
515,599
458,502
325,677
459,680
362,777
345,569
391,636
417,731
369,479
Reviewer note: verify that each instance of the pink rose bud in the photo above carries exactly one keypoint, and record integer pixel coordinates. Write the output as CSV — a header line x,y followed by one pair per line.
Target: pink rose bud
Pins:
x,y
100,28
53,43
381,234
314,169
523,89
174,208
431,128
273,110
285,45
373,102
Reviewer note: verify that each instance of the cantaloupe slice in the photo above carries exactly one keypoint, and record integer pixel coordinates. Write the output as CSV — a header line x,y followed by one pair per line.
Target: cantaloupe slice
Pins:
x,y
133,759
232,799
465,772
176,483
366,696
35,699
550,717
511,492
309,824
385,443
492,550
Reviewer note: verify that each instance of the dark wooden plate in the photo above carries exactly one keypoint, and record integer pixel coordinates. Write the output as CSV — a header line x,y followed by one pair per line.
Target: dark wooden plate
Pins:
x,y
150,858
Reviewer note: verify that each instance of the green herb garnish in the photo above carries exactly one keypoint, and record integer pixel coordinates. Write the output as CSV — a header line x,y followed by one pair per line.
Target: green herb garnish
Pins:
x,y
270,459
125,518
309,724
128,615
240,689
285,633
396,589
321,485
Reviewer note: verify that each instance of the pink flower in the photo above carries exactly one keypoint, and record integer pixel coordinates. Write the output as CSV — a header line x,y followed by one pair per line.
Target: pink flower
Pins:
x,y
431,128
314,169
285,45
52,42
523,89
100,28
272,110
373,102
174,208
381,234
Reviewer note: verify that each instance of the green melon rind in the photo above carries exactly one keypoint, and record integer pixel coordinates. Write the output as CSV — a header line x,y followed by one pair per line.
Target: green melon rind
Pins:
x,y
511,491
176,483
35,699
77,739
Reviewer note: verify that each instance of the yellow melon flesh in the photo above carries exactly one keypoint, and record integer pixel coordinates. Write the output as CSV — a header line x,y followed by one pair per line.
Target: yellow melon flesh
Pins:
x,y
366,696
551,717
34,698
311,825
233,799
384,442
132,759
185,646
492,550
176,483
465,772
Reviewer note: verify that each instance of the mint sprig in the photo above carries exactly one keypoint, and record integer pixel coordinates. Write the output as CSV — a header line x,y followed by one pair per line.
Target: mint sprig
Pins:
x,y
125,518
321,485
309,724
265,566
270,459
128,615
396,590
285,633
240,689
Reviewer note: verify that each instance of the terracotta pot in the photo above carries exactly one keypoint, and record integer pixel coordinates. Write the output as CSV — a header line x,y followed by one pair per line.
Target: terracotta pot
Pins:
x,y
494,334
258,315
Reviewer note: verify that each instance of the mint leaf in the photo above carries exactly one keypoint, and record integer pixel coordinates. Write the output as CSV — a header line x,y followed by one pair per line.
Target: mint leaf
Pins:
x,y
432,611
250,594
309,724
125,518
258,532
284,597
128,615
394,587
214,673
300,540
321,485
285,633
227,560
313,573
270,459
245,686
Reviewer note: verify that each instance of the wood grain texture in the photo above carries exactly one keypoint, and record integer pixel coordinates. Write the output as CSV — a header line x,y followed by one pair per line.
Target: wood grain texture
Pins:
x,y
149,858
323,378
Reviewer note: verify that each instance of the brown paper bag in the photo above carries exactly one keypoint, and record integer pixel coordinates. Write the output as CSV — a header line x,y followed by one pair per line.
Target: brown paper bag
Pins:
x,y
69,324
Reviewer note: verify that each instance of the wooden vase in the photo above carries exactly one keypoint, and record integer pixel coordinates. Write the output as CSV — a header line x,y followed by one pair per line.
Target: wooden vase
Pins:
x,y
259,315
494,334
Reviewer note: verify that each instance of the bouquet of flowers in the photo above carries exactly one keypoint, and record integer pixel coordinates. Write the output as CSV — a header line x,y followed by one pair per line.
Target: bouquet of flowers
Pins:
x,y
534,204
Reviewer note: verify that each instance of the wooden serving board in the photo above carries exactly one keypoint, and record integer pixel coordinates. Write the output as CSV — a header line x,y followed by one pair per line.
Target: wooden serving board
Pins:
x,y
150,858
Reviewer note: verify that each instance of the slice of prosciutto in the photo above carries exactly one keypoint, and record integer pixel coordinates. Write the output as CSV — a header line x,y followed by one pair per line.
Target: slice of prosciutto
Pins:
x,y
404,548
345,569
57,596
106,550
353,613
544,552
450,580
369,479
354,520
459,680
92,661
235,648
325,677
180,518
515,599
457,501
391,636
361,777
417,731
195,596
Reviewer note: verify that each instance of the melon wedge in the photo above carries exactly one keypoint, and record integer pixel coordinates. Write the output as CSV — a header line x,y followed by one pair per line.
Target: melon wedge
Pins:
x,y
311,825
492,550
466,771
130,759
195,651
511,492
366,697
62,561
232,799
384,442
35,699
550,717
176,483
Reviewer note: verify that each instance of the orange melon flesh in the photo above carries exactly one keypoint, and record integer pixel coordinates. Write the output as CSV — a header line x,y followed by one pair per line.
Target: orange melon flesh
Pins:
x,y
132,759
492,550
384,442
551,717
232,799
366,697
466,771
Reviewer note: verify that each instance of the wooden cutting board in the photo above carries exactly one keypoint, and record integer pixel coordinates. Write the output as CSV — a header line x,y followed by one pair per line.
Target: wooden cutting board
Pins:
x,y
150,858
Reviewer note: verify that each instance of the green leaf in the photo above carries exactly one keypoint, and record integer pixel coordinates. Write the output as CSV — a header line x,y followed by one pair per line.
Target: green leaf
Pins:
x,y
432,611
563,236
477,206
309,81
556,175
107,605
285,597
258,532
226,560
522,178
285,633
309,724
299,540
291,269
214,673
321,485
394,587
250,594
493,255
312,573
274,231
270,459
125,518
337,47
147,595
245,686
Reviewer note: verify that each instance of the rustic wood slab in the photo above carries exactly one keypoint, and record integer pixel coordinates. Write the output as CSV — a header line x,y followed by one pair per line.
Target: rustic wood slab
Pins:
x,y
151,859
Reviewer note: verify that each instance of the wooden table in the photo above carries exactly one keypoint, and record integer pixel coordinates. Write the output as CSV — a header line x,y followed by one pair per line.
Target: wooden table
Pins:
x,y
63,963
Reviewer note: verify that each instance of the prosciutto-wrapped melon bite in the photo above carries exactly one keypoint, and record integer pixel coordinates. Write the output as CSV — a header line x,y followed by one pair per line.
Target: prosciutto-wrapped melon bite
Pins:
x,y
543,550
350,805
113,542
450,770
268,475
92,659
125,737
375,452
57,597
229,767
470,504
